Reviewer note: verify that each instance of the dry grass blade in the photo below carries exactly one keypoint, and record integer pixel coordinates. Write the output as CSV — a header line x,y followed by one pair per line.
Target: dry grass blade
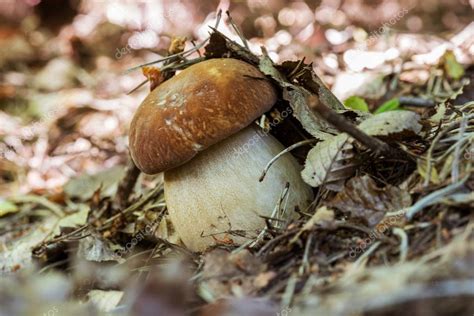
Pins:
x,y
287,150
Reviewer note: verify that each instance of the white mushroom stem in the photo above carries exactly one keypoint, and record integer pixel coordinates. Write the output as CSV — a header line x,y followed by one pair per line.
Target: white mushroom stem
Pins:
x,y
219,191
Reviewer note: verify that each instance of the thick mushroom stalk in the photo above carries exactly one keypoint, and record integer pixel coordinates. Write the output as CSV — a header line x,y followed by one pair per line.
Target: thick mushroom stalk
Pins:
x,y
217,196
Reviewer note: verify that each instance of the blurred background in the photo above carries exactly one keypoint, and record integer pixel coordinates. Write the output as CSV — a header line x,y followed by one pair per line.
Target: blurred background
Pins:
x,y
64,102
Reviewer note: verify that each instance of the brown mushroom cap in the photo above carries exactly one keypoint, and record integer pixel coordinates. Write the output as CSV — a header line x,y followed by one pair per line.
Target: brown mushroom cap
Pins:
x,y
197,108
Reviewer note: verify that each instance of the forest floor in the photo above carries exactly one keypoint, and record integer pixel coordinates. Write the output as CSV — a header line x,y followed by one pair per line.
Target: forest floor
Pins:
x,y
391,229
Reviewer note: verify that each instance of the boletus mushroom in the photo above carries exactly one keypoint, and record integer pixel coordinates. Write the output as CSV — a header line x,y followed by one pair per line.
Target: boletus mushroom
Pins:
x,y
198,129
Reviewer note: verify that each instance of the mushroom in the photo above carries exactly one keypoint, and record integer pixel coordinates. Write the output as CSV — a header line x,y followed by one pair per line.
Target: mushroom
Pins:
x,y
197,129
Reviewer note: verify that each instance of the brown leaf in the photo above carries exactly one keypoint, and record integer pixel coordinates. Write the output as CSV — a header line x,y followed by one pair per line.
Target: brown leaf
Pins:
x,y
154,75
322,217
177,45
296,95
363,199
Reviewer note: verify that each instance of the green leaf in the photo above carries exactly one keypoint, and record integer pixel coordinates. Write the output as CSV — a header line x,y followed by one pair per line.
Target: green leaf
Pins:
x,y
7,207
76,219
393,124
390,105
453,69
85,185
356,103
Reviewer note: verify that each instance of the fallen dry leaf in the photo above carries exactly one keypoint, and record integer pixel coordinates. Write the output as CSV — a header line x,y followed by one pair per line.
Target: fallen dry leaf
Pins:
x,y
363,199
330,163
392,125
322,216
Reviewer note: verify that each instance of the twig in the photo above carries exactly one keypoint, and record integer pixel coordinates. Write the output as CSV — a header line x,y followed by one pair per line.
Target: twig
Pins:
x,y
275,240
457,151
272,161
237,30
296,69
403,242
127,184
305,266
237,49
218,19
274,214
137,87
444,131
195,45
171,67
289,292
52,265
377,146
433,198
363,229
416,102
41,248
362,259
181,54
179,248
140,203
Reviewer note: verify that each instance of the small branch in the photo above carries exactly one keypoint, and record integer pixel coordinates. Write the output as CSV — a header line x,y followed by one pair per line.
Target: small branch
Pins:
x,y
416,102
237,30
274,159
138,204
376,145
169,57
362,260
434,197
137,87
127,184
403,243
